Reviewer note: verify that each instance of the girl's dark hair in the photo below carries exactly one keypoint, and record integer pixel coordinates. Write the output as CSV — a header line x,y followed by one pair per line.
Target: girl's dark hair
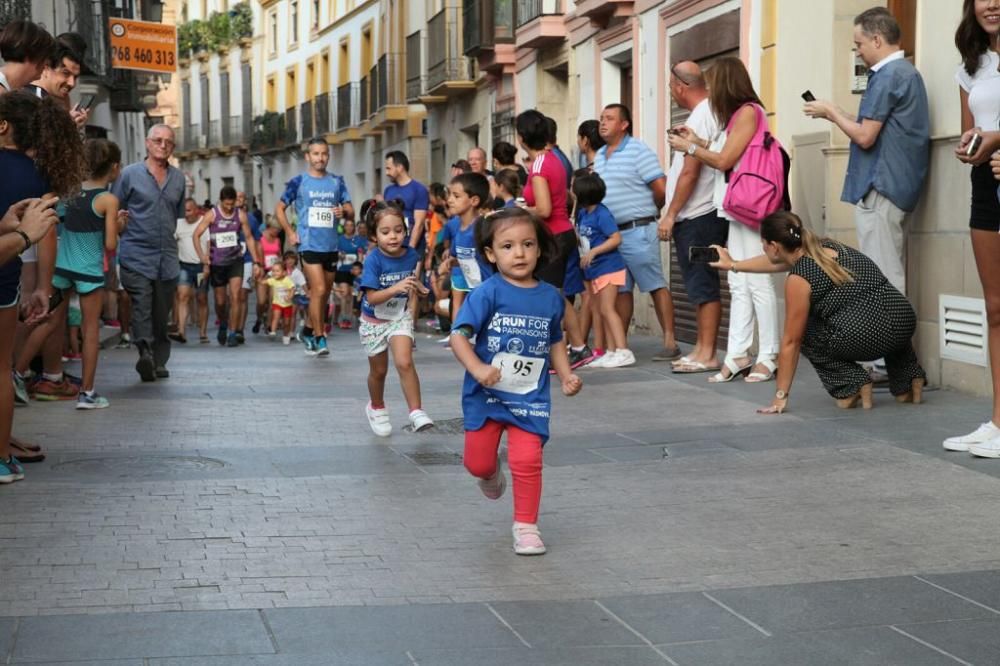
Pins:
x,y
376,210
487,227
787,230
505,153
438,190
533,128
970,38
101,156
590,130
43,126
589,189
509,180
729,88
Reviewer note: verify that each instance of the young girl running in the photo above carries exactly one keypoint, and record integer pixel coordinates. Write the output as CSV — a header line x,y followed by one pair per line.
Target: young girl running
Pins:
x,y
517,323
603,267
282,290
90,226
388,282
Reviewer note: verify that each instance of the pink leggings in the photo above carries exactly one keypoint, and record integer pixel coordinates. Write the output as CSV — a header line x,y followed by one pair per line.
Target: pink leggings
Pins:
x,y
524,457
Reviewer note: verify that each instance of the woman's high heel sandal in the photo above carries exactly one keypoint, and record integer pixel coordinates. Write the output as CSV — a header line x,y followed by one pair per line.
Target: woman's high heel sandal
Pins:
x,y
916,392
864,396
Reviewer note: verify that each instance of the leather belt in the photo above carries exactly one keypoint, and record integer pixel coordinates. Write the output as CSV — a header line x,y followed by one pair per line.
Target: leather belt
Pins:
x,y
632,224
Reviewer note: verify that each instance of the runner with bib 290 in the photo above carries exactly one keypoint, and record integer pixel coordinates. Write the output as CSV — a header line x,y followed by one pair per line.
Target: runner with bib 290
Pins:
x,y
224,264
320,201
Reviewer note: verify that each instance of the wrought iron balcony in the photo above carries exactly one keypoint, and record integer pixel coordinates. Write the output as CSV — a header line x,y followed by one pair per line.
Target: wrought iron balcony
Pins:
x,y
486,23
215,139
363,91
306,120
539,23
448,71
373,101
269,132
234,132
414,70
348,106
190,139
321,113
291,125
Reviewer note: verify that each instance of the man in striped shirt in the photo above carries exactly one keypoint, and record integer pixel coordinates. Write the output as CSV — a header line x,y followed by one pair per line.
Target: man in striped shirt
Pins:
x,y
636,190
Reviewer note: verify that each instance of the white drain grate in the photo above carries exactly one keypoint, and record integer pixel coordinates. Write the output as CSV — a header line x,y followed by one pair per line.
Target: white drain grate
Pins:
x,y
963,329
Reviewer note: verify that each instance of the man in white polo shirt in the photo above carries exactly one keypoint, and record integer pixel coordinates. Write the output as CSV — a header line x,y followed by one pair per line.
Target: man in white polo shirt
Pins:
x,y
636,190
691,220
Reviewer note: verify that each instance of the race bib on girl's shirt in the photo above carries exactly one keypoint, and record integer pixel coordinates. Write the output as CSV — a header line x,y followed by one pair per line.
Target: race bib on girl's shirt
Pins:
x,y
381,272
515,328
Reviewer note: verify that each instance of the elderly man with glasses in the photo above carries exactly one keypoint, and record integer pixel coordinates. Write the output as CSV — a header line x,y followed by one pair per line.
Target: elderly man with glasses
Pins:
x,y
153,193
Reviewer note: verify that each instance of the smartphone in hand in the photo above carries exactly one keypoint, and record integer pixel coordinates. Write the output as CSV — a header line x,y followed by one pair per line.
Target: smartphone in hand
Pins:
x,y
808,96
974,143
702,255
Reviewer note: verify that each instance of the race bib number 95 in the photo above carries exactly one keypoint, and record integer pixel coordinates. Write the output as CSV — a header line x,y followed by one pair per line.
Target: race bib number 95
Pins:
x,y
518,374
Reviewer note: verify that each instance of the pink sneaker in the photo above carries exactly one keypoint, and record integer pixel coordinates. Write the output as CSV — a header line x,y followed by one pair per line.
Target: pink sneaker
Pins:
x,y
527,540
494,486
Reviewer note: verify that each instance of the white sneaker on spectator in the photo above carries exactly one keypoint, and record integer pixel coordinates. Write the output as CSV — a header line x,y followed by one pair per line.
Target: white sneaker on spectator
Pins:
x,y
378,419
602,360
982,434
620,358
987,449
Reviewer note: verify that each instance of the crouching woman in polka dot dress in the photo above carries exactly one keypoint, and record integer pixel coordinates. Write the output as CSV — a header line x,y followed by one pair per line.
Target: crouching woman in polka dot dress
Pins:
x,y
840,311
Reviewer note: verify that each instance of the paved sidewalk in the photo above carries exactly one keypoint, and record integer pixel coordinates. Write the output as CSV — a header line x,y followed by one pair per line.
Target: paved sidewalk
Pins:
x,y
241,512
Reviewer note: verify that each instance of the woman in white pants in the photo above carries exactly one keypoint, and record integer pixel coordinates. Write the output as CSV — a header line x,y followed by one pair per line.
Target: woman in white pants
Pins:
x,y
754,300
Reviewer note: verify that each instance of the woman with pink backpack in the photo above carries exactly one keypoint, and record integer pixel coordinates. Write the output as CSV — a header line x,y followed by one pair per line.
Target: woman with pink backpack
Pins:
x,y
750,184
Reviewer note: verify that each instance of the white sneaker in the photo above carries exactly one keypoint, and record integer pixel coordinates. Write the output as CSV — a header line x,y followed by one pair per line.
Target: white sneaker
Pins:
x,y
982,434
988,449
378,419
602,360
420,421
494,486
286,339
625,358
527,539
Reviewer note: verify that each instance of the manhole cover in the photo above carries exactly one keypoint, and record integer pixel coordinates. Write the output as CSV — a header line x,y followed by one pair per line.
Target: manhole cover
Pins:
x,y
443,427
140,466
436,458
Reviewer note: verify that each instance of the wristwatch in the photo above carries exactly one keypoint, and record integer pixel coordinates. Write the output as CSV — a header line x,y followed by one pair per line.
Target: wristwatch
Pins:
x,y
781,395
692,149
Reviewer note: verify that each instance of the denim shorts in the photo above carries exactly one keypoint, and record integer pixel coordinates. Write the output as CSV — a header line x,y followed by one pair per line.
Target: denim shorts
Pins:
x,y
640,249
701,281
189,277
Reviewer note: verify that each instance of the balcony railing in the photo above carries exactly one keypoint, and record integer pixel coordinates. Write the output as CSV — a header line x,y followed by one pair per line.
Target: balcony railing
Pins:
x,y
291,125
445,60
270,132
363,91
306,119
388,81
191,138
321,113
373,103
529,10
348,106
233,132
414,71
215,134
486,23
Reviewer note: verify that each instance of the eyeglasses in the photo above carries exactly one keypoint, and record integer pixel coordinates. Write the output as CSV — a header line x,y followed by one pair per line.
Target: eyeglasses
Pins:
x,y
163,142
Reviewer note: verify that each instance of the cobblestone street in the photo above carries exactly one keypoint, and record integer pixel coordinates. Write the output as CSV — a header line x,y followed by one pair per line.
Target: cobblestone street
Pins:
x,y
241,512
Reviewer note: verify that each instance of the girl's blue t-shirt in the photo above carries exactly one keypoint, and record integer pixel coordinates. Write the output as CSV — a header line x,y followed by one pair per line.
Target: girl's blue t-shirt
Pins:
x,y
351,249
594,229
314,200
515,328
382,271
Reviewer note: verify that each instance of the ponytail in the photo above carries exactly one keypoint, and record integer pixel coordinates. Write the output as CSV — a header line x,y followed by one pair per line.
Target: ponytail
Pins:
x,y
59,154
787,230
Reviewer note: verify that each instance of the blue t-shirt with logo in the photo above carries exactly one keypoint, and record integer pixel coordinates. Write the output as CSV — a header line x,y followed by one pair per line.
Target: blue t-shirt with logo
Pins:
x,y
314,200
595,228
351,248
515,328
257,229
473,267
382,271
414,196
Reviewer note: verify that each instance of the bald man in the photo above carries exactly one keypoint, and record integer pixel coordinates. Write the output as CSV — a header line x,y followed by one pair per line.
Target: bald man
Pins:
x,y
691,220
477,161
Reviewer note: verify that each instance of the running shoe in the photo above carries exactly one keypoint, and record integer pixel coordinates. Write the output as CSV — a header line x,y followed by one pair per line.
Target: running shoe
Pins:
x,y
321,348
420,421
272,334
92,401
48,391
494,486
112,323
378,419
310,343
581,357
161,372
232,341
10,470
256,327
988,449
71,357
20,389
222,336
980,435
240,338
124,342
146,367
286,340
527,539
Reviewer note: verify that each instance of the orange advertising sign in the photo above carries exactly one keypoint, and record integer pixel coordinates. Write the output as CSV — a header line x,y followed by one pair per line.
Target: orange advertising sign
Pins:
x,y
143,45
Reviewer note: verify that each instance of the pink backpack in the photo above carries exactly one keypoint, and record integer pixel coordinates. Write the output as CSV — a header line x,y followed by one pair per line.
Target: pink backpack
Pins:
x,y
758,186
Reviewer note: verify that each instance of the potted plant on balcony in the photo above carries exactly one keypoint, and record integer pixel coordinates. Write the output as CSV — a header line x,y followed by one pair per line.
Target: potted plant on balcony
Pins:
x,y
241,22
220,32
190,40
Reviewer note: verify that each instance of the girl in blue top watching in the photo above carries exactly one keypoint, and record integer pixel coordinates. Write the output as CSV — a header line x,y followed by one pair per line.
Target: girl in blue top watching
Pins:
x,y
603,267
516,321
388,281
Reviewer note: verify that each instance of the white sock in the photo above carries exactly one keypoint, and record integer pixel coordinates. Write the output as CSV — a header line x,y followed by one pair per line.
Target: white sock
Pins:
x,y
56,378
